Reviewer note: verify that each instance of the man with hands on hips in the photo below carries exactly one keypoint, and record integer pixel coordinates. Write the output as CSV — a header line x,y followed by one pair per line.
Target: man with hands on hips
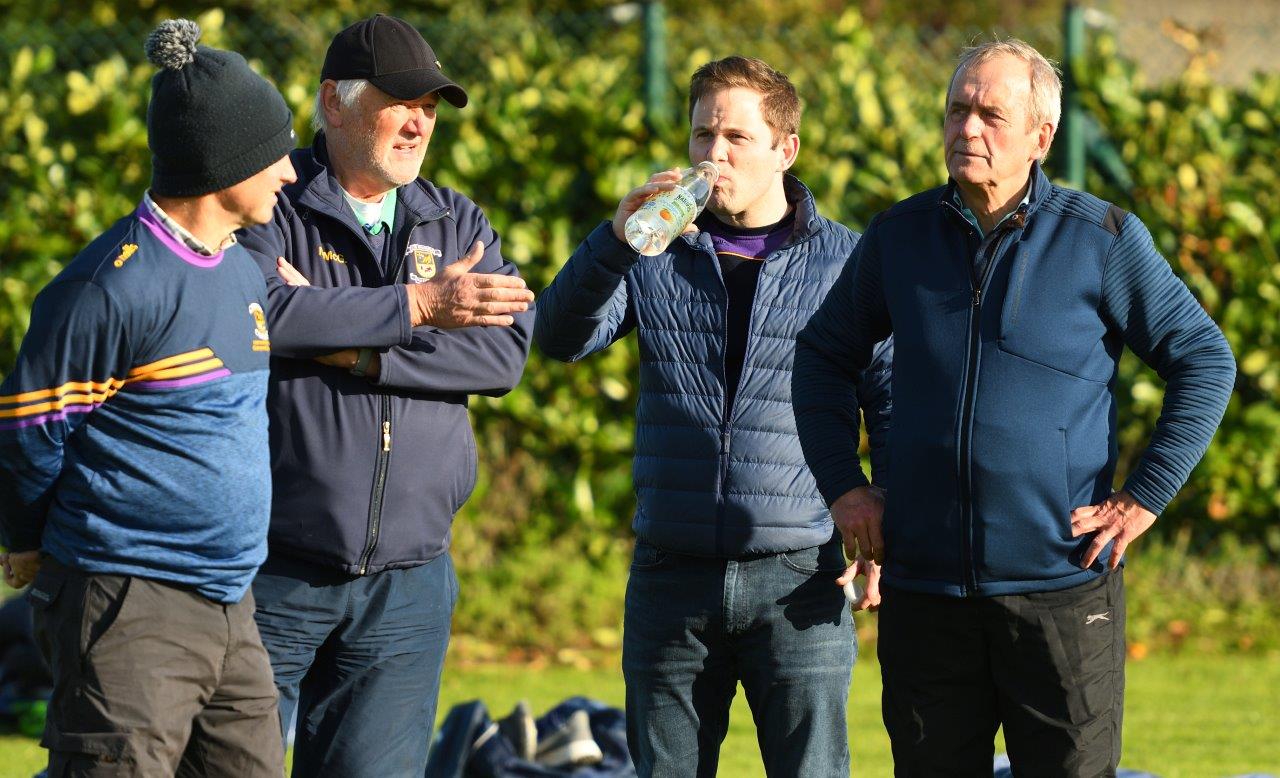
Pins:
x,y
1010,300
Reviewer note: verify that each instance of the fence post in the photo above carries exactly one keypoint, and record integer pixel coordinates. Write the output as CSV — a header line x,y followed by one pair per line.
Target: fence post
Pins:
x,y
1072,116
657,100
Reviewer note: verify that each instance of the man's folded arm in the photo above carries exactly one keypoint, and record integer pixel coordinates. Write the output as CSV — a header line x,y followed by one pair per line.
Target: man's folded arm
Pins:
x,y
306,321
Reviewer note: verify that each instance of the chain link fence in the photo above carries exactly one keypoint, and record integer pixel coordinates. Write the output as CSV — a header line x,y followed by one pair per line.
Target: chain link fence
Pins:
x,y
1229,39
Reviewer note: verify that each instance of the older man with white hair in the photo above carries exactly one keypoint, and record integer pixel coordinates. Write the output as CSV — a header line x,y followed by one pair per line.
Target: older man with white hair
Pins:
x,y
390,304
1010,300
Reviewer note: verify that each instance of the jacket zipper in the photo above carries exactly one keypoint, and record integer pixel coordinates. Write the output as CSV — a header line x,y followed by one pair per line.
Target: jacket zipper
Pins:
x,y
379,486
970,583
722,464
726,409
382,464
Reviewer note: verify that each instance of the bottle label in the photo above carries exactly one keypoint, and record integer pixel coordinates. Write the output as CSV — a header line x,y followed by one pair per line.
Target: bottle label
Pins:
x,y
676,207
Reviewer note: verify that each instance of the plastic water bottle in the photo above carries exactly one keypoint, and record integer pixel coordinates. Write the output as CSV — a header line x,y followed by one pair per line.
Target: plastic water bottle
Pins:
x,y
656,223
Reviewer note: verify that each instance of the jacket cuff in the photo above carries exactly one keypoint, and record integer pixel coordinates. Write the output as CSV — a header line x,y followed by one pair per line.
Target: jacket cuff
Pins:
x,y
387,365
406,324
26,539
1147,496
833,488
612,254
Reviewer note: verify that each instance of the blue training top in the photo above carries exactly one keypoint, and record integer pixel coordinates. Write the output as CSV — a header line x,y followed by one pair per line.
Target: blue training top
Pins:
x,y
133,431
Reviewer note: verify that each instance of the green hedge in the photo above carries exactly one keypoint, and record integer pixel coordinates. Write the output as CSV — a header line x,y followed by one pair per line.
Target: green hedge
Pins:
x,y
556,134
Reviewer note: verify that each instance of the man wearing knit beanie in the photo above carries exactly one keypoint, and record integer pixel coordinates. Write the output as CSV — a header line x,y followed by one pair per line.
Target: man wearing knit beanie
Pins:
x,y
134,472
412,308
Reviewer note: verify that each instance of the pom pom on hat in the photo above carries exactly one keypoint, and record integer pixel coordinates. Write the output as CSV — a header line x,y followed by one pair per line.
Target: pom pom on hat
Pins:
x,y
212,122
172,44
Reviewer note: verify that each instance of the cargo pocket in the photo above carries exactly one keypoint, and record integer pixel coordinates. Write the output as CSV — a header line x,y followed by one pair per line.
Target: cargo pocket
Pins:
x,y
89,753
44,596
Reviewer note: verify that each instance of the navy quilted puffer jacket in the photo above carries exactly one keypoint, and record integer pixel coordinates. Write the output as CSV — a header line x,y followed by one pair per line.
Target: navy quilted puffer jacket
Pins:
x,y
706,484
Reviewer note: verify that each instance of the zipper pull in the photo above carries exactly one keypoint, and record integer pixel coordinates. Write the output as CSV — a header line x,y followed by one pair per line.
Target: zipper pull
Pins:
x,y
386,436
977,298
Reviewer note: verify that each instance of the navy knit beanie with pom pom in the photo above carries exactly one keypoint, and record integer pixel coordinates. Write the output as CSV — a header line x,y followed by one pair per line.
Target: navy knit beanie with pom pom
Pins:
x,y
212,121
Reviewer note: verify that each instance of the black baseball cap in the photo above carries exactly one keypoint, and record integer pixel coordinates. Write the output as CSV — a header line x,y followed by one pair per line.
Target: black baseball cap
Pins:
x,y
391,54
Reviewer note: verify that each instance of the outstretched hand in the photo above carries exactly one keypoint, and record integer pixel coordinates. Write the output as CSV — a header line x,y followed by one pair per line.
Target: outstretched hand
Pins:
x,y
458,297
1118,517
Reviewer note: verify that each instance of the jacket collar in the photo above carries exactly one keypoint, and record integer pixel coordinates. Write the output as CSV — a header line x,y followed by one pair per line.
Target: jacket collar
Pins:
x,y
807,221
1040,187
317,188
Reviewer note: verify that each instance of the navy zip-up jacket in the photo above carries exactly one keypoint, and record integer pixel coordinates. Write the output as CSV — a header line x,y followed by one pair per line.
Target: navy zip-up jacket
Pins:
x,y
368,473
1004,386
705,484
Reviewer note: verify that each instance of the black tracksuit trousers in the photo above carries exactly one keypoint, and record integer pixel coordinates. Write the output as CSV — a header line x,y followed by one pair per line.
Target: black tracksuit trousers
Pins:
x,y
1047,666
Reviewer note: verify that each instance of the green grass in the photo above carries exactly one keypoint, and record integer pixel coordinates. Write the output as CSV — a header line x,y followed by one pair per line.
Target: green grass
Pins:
x,y
1186,717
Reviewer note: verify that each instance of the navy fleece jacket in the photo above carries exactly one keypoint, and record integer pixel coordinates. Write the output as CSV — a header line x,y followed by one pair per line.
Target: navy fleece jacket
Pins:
x,y
1004,387
368,473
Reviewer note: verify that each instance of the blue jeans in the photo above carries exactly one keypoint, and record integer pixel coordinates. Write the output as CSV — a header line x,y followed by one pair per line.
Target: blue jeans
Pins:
x,y
360,659
695,627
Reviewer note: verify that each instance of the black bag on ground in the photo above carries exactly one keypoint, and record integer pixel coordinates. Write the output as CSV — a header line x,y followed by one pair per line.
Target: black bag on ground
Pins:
x,y
470,744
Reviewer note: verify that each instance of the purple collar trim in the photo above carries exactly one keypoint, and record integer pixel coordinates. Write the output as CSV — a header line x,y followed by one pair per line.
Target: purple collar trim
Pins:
x,y
176,246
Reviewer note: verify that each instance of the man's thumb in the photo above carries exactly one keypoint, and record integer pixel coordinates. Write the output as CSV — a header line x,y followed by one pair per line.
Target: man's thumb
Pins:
x,y
471,259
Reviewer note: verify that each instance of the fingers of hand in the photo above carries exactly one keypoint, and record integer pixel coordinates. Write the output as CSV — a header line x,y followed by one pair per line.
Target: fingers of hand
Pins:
x,y
865,546
870,599
499,307
1091,517
1095,548
493,321
500,281
877,542
289,274
849,573
665,178
1117,551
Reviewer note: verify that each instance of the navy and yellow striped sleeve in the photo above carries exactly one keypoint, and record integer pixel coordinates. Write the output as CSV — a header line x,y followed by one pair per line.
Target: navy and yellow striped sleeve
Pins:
x,y
73,359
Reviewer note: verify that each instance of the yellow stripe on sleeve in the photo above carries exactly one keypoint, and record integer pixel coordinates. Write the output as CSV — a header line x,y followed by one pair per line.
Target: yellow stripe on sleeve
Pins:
x,y
178,372
109,387
177,359
93,398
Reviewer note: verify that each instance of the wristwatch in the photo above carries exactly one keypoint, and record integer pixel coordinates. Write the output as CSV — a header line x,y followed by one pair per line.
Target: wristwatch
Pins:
x,y
362,362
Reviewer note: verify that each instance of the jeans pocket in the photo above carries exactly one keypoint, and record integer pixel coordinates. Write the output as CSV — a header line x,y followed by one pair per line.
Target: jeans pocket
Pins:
x,y
648,557
827,558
